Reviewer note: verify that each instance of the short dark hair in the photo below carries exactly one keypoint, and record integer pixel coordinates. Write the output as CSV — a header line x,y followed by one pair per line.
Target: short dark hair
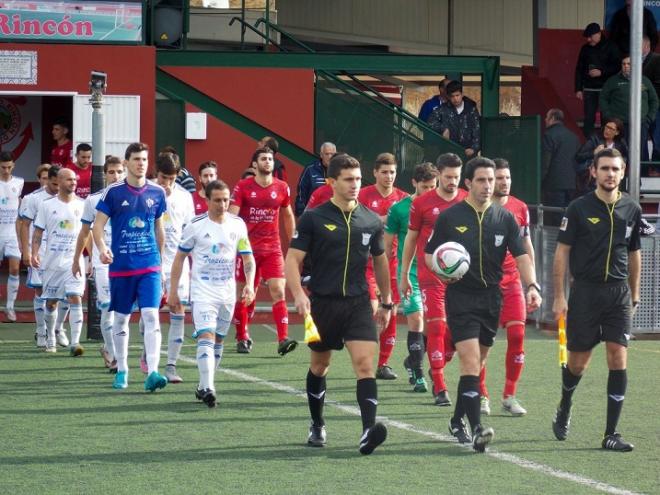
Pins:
x,y
607,153
166,164
6,156
135,148
501,163
205,165
384,159
248,172
271,142
261,150
62,122
83,147
448,160
620,127
339,162
443,83
53,171
475,163
424,171
215,185
110,160
556,114
453,87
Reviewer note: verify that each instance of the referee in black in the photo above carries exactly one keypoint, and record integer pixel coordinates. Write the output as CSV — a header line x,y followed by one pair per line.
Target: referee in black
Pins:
x,y
472,304
339,236
599,241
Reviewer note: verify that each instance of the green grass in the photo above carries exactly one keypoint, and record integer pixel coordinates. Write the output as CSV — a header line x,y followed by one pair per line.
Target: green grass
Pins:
x,y
64,430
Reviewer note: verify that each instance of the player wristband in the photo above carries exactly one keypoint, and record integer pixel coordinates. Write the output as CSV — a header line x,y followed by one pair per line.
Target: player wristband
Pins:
x,y
536,286
386,306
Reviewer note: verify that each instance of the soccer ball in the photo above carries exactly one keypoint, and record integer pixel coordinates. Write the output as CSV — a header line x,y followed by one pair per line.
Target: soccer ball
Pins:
x,y
451,260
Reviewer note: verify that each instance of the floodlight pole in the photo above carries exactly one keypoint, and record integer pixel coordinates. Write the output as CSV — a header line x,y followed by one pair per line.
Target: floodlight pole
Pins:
x,y
635,118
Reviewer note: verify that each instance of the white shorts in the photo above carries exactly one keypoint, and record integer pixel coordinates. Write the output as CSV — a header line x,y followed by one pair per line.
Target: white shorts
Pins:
x,y
184,283
9,248
210,317
59,284
102,281
34,278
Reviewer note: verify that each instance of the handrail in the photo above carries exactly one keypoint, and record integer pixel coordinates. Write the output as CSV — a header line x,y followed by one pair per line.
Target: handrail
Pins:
x,y
252,28
285,33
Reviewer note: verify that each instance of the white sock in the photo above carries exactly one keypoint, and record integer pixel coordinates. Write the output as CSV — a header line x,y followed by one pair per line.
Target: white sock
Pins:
x,y
39,303
205,364
120,340
217,352
152,338
107,319
12,290
62,313
76,322
175,338
49,320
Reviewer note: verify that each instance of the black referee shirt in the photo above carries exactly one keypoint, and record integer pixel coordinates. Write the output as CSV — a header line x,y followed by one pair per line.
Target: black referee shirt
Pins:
x,y
487,236
339,244
600,236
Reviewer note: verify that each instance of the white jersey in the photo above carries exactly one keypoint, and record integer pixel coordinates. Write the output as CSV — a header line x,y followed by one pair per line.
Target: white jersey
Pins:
x,y
10,193
89,213
62,223
180,211
28,211
214,247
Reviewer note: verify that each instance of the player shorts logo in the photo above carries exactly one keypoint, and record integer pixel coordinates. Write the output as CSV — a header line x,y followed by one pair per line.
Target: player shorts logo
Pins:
x,y
273,194
462,229
136,223
594,220
365,239
564,224
498,240
330,227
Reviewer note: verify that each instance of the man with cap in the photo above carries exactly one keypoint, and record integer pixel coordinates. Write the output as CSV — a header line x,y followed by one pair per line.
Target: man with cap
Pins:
x,y
599,59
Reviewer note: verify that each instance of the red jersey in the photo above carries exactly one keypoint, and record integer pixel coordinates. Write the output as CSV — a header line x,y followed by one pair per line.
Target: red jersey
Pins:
x,y
200,203
84,176
260,209
319,196
424,211
521,214
62,154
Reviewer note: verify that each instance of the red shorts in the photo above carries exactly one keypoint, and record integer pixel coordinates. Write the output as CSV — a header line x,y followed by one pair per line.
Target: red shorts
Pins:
x,y
513,300
269,265
433,299
373,287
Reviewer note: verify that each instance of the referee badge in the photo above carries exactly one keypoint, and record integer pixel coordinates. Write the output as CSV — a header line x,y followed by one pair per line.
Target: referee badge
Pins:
x,y
365,239
498,240
564,224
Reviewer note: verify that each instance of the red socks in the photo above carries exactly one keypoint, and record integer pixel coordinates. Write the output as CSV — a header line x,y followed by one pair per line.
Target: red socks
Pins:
x,y
387,341
241,321
281,317
435,349
515,357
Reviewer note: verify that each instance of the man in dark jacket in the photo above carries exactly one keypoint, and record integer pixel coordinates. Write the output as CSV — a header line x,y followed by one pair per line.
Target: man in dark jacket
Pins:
x,y
620,28
458,120
434,102
559,147
599,59
313,177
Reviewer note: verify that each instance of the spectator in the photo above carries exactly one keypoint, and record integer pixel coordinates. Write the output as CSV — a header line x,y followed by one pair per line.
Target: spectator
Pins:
x,y
610,136
434,102
313,176
458,120
279,172
615,102
62,154
651,69
559,147
620,28
185,178
598,60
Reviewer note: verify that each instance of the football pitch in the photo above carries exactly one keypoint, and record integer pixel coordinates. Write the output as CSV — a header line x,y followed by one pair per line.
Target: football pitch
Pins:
x,y
65,430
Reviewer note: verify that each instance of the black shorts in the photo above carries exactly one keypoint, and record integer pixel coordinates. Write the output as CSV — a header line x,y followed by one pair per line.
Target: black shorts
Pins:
x,y
473,314
340,319
598,313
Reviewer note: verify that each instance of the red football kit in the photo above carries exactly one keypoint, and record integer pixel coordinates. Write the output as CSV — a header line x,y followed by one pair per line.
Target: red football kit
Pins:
x,y
200,203
319,196
84,177
62,154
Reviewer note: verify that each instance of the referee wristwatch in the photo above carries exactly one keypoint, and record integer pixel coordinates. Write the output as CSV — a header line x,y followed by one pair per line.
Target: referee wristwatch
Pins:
x,y
536,286
387,306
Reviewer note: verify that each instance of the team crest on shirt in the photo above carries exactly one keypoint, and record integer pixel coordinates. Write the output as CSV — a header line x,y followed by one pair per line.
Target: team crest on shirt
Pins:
x,y
150,202
232,236
374,204
273,194
498,240
365,239
594,220
462,229
436,211
564,224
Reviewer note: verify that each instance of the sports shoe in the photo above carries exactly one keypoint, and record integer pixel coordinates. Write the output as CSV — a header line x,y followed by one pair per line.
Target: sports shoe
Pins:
x,y
106,356
50,349
317,436
442,399
420,385
561,423
242,347
615,442
372,438
62,339
41,341
409,370
143,362
459,431
286,346
171,374
385,373
121,380
77,350
483,435
154,381
208,398
10,313
512,406
485,405
199,394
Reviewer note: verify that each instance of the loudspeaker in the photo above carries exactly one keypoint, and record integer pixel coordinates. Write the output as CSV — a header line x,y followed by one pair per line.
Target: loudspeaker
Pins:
x,y
168,23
